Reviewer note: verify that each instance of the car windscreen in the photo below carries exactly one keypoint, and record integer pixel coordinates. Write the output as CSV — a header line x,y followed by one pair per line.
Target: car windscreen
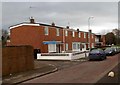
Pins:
x,y
108,49
95,51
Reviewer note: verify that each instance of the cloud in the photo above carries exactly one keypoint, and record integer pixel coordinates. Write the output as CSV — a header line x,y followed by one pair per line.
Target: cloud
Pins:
x,y
75,13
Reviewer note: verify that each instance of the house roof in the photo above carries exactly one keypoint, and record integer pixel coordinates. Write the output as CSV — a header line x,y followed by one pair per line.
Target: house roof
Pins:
x,y
41,24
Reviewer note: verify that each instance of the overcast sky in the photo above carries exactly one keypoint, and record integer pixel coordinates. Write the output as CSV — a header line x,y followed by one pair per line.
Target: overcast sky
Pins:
x,y
74,14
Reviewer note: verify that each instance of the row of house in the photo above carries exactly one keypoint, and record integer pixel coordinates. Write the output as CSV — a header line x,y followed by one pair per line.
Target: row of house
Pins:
x,y
51,38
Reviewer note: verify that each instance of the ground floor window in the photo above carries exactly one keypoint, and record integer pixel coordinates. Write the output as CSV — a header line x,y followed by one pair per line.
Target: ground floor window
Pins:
x,y
66,46
51,47
92,45
76,46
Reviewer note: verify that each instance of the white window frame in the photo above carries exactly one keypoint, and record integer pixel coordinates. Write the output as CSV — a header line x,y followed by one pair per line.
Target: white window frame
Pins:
x,y
46,30
66,46
73,45
92,36
92,45
73,33
79,35
51,47
84,35
66,32
57,31
76,46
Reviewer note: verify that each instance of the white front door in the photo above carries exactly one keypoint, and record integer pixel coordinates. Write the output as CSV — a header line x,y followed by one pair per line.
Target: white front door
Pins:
x,y
51,47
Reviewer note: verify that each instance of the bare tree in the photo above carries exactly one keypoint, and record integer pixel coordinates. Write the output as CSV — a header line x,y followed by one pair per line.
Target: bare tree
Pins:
x,y
4,37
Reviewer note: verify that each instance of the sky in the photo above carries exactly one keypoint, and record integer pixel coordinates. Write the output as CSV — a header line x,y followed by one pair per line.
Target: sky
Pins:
x,y
74,14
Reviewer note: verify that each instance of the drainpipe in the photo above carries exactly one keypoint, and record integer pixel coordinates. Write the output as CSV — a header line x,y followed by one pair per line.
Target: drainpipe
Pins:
x,y
63,39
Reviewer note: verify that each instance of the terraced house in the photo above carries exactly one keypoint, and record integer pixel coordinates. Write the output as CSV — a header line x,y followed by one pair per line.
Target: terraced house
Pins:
x,y
50,38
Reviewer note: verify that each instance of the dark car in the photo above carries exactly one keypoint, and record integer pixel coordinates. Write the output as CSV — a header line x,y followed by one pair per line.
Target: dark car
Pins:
x,y
97,54
110,51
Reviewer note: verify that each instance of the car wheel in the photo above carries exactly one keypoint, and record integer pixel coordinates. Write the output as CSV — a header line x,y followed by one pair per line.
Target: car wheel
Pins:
x,y
89,59
102,58
105,57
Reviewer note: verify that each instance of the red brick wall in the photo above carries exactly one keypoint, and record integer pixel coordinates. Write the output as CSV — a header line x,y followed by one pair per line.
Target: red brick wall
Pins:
x,y
34,36
26,35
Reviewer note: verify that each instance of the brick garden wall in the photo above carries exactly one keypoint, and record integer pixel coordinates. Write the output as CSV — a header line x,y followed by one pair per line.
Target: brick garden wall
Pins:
x,y
17,59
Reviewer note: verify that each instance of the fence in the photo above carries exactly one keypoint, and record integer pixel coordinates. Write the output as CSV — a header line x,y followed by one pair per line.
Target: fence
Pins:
x,y
62,56
17,59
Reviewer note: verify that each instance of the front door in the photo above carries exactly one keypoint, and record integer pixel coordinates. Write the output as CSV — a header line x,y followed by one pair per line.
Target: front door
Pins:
x,y
58,48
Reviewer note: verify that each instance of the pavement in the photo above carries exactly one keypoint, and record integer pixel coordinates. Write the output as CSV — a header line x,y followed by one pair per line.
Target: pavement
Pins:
x,y
39,70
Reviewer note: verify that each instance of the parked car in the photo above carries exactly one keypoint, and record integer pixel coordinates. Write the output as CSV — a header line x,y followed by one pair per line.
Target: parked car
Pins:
x,y
116,49
110,51
96,54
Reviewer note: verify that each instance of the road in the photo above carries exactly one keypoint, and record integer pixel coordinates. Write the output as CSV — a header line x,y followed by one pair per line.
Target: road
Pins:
x,y
114,79
87,72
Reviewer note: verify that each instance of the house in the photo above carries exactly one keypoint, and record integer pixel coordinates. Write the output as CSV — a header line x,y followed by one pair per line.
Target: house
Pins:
x,y
50,38
99,40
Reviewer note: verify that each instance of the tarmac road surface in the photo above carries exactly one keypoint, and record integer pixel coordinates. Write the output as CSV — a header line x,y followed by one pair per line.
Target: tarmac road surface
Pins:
x,y
87,72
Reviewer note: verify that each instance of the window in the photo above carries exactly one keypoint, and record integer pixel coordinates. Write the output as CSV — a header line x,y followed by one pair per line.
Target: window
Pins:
x,y
51,47
57,31
84,35
73,33
79,35
92,45
46,30
74,46
92,36
78,46
66,46
66,33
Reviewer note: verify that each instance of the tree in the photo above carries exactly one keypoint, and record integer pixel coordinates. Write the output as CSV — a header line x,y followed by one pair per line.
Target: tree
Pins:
x,y
110,38
116,32
4,37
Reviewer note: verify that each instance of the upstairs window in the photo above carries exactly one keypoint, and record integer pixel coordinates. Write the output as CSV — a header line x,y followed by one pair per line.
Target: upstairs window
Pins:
x,y
66,33
57,31
92,36
46,31
79,35
84,35
73,34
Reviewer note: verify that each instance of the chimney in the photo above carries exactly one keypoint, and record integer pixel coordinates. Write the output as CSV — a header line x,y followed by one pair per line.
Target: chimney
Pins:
x,y
53,24
90,31
67,27
77,29
32,20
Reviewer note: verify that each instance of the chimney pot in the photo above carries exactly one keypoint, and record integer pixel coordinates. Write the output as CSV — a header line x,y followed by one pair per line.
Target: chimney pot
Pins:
x,y
53,24
90,31
32,20
67,27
